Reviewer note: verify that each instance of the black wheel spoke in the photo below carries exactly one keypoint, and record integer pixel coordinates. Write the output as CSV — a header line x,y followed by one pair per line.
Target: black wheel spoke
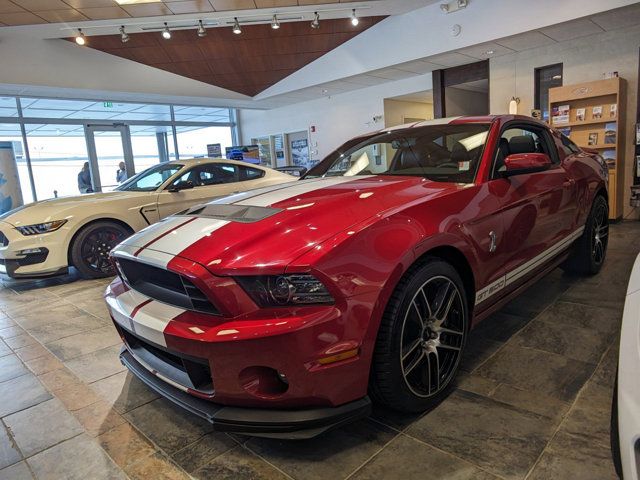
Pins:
x,y
432,336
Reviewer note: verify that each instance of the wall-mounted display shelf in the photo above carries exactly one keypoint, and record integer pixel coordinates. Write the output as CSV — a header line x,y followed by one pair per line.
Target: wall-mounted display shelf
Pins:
x,y
591,114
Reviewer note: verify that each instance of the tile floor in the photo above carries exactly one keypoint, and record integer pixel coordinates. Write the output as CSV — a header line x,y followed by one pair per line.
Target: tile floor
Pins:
x,y
532,402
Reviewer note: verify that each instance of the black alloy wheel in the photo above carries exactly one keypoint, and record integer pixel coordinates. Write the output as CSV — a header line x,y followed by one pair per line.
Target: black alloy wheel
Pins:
x,y
91,247
421,338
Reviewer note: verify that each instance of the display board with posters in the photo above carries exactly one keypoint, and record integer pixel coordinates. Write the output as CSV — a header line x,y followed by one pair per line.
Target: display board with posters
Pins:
x,y
300,153
214,150
10,193
244,153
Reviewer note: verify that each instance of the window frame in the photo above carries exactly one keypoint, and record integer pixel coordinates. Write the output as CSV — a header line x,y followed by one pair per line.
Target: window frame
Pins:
x,y
536,83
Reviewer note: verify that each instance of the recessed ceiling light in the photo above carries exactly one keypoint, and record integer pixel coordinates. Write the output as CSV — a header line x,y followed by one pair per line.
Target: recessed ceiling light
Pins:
x,y
275,24
80,38
489,52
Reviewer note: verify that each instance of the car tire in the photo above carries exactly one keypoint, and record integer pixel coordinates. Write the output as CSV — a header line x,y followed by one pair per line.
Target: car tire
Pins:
x,y
589,251
90,248
614,434
421,338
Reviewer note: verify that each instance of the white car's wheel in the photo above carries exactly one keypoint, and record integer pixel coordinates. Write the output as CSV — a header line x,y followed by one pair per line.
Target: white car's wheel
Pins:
x,y
91,247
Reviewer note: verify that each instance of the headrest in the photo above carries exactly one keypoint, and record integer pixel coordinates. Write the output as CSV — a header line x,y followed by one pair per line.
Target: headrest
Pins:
x,y
522,144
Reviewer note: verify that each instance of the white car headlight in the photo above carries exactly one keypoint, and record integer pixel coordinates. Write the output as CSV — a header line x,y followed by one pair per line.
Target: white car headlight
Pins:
x,y
38,228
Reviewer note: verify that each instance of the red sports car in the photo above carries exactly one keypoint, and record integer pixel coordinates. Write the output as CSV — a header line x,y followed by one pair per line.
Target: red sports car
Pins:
x,y
283,311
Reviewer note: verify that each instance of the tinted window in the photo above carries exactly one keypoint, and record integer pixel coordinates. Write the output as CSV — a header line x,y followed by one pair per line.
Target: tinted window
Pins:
x,y
444,153
569,146
210,174
248,173
151,178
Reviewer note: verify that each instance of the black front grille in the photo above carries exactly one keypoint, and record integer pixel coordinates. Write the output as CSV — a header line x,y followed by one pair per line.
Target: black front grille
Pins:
x,y
4,241
191,372
165,286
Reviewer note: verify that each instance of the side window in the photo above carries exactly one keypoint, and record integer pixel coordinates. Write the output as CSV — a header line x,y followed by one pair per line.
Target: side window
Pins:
x,y
568,145
521,140
210,174
248,173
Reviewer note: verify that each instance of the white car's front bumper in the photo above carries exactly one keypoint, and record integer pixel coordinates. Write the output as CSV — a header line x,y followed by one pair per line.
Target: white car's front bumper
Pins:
x,y
629,379
48,256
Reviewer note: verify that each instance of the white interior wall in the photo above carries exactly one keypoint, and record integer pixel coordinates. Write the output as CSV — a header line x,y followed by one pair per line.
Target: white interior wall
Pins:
x,y
397,111
336,118
584,59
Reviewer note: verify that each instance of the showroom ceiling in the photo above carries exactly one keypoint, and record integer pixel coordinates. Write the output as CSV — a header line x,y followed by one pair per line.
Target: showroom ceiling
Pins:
x,y
31,12
247,63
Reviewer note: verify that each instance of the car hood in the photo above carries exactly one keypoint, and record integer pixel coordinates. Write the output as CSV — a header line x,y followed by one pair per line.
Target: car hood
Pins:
x,y
63,207
266,229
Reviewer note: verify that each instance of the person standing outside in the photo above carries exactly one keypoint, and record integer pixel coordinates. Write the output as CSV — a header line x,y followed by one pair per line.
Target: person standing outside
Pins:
x,y
84,179
121,174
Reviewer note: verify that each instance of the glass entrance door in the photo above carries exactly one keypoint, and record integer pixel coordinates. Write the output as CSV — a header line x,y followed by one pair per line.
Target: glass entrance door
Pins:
x,y
109,148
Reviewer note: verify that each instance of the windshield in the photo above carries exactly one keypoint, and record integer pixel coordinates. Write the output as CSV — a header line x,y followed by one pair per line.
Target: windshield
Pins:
x,y
150,179
443,153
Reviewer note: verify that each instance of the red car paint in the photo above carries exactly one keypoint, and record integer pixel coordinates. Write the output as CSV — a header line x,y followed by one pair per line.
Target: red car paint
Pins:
x,y
359,237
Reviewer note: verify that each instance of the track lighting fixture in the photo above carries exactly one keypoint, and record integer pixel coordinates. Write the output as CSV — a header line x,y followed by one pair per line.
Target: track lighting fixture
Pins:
x,y
354,18
316,21
236,26
80,38
202,32
275,24
124,36
166,33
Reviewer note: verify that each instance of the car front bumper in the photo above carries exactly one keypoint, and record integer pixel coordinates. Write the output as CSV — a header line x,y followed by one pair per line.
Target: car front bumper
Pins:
x,y
267,362
290,424
50,260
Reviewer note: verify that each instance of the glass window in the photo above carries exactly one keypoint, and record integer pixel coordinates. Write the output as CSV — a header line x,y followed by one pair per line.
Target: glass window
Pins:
x,y
569,146
210,174
151,145
444,153
248,173
546,78
58,153
193,141
83,109
8,107
150,179
201,114
10,132
264,146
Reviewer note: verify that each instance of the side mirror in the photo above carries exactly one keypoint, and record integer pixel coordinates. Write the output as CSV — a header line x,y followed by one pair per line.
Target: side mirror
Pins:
x,y
519,163
181,186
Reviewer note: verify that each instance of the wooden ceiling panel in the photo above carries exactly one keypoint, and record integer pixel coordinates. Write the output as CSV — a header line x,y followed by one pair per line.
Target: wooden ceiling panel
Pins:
x,y
246,63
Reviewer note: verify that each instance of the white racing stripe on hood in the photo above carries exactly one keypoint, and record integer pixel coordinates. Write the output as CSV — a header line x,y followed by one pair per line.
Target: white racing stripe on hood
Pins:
x,y
299,188
151,257
237,197
183,237
148,234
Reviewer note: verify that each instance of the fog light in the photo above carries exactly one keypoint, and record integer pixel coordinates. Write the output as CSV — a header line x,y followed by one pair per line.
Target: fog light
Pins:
x,y
263,382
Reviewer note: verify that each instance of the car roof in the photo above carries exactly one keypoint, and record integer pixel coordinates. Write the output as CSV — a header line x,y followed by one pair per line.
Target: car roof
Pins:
x,y
461,120
202,160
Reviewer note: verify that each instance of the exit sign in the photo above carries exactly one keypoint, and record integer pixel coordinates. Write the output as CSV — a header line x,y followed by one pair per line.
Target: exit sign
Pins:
x,y
107,104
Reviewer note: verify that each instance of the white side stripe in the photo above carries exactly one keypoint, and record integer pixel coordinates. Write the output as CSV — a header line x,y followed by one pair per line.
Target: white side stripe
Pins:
x,y
147,234
526,267
299,188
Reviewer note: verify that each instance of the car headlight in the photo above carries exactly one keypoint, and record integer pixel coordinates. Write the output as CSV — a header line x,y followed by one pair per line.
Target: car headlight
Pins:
x,y
38,228
282,290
